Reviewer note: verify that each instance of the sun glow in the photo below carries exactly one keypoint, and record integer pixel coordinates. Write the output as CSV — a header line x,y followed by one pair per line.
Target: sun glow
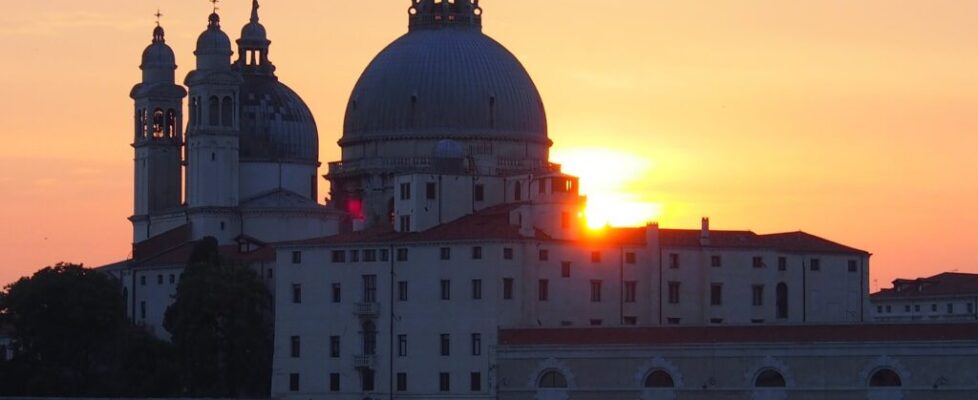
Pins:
x,y
608,179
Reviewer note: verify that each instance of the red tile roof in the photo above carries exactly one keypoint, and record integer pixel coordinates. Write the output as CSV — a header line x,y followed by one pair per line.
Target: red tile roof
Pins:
x,y
161,243
800,242
941,285
738,334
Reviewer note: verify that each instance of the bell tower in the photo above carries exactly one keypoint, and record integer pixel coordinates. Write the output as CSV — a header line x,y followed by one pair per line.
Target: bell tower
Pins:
x,y
213,132
158,136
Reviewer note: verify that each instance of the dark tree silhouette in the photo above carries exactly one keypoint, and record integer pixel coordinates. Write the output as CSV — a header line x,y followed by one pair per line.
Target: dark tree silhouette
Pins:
x,y
221,327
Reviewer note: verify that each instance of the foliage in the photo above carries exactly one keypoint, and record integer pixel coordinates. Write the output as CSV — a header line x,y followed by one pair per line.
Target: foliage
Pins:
x,y
73,338
221,327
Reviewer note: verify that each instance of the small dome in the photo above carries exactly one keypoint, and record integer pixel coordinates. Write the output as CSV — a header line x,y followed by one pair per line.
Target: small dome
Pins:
x,y
213,40
254,32
158,54
276,125
449,149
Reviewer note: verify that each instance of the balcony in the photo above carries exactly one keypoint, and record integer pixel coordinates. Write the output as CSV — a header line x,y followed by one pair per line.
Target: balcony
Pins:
x,y
366,310
364,361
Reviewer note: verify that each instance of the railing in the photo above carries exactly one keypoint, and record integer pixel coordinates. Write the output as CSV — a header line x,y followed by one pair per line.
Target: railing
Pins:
x,y
364,361
366,310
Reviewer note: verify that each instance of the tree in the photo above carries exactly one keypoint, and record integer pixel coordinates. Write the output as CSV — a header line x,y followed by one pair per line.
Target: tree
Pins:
x,y
221,327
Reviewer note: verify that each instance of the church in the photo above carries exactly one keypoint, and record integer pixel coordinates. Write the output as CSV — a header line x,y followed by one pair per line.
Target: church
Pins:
x,y
451,259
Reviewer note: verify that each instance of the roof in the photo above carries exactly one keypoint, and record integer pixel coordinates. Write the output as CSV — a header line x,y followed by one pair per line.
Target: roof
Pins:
x,y
799,241
181,254
738,334
945,284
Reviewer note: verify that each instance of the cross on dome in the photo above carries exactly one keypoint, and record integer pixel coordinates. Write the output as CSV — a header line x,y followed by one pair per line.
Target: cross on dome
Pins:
x,y
445,13
158,15
215,4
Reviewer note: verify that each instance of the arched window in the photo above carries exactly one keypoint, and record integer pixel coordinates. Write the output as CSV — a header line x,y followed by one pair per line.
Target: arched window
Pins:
x,y
659,379
227,112
769,378
552,380
193,111
885,377
213,111
158,123
782,300
138,119
171,123
369,338
518,191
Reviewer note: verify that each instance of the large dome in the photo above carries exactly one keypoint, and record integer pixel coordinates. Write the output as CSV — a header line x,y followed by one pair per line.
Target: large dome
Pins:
x,y
449,82
276,125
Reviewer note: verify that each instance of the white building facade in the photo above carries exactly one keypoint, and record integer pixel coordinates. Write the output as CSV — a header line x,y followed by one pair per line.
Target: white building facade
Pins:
x,y
945,297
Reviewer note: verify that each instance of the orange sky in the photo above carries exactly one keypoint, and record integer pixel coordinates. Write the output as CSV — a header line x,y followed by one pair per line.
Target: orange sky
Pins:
x,y
850,120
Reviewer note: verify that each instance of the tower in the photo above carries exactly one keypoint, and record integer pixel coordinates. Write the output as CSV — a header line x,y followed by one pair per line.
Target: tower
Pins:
x,y
213,132
158,136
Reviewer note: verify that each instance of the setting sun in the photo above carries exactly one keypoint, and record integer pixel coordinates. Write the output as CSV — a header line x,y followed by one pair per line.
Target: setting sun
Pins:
x,y
608,179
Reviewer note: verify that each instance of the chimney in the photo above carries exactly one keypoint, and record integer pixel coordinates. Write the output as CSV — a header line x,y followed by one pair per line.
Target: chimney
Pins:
x,y
705,232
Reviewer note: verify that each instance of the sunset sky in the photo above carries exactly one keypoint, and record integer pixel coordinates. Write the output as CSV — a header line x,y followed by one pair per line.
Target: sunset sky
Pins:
x,y
852,120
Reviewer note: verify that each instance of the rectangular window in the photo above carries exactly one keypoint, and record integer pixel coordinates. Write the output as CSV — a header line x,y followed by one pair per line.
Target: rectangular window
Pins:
x,y
595,256
296,257
716,320
758,262
142,280
354,255
431,191
596,322
757,295
816,265
476,381
293,382
401,382
879,309
933,308
337,293
630,288
367,377
906,308
384,255
716,261
295,347
544,255
853,266
476,344
334,382
370,288
480,193
674,261
673,292
543,289
889,309
716,294
297,293
402,345
370,255
446,289
595,291
402,291
405,221
950,308
508,253
507,288
782,263
630,321
672,321
445,253
159,279
916,308
142,309
405,191
173,278
338,256
971,308
402,254
334,347
630,258
477,289
477,252
565,269
444,382
445,344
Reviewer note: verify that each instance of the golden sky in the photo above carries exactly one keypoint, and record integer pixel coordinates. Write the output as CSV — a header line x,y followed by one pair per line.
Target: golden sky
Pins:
x,y
852,120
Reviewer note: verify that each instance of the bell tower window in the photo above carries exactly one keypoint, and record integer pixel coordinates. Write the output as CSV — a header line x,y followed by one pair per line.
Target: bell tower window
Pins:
x,y
213,111
227,112
171,123
158,123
